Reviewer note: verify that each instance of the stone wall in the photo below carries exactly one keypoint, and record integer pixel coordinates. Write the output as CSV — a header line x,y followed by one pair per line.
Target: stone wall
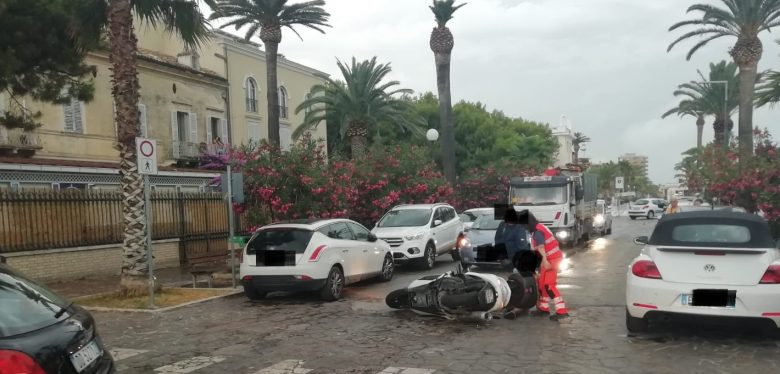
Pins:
x,y
78,262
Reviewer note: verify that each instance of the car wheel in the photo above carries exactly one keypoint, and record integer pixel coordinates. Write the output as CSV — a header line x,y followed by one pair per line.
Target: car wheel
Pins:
x,y
429,258
388,268
609,230
634,324
334,284
253,294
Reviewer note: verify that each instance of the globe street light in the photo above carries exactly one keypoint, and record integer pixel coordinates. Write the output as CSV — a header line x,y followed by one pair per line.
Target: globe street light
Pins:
x,y
433,136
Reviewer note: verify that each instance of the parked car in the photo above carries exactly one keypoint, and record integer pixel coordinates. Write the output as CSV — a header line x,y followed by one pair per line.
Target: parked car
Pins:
x,y
602,222
710,263
468,217
648,208
41,332
482,233
313,255
418,233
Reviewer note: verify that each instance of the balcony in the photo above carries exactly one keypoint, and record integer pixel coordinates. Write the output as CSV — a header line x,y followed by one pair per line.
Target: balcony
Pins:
x,y
19,140
283,112
188,151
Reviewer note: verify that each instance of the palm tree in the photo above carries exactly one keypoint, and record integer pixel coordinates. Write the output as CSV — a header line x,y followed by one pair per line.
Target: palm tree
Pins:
x,y
769,91
269,17
93,18
361,101
441,44
579,140
744,20
701,99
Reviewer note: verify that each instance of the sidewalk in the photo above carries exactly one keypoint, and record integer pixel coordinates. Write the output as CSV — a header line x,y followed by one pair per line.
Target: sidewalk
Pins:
x,y
170,277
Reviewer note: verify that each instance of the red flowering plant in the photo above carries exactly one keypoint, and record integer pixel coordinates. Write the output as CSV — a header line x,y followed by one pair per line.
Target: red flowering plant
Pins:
x,y
753,184
294,184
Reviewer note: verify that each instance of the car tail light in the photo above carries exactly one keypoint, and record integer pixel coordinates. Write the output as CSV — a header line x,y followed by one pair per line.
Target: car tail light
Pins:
x,y
646,269
772,275
647,306
770,314
557,215
315,256
646,206
247,278
15,362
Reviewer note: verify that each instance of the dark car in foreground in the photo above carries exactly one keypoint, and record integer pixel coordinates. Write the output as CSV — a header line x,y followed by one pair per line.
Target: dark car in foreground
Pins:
x,y
42,333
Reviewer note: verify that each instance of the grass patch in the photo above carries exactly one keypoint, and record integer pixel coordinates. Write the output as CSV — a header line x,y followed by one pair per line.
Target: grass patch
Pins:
x,y
166,298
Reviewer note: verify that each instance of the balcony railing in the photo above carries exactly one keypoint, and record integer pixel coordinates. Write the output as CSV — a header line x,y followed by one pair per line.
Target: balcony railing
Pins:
x,y
251,105
184,150
283,112
19,139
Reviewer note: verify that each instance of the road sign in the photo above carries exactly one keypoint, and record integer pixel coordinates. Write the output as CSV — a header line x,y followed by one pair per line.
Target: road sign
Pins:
x,y
146,150
619,183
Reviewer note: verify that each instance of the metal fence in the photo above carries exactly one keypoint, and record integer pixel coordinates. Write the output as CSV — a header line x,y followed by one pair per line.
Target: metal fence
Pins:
x,y
45,220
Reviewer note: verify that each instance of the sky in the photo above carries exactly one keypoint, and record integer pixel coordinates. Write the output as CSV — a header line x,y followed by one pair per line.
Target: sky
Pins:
x,y
603,64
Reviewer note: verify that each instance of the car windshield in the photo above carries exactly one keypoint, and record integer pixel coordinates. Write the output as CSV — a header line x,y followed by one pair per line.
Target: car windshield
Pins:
x,y
405,218
26,306
486,222
548,195
468,217
280,239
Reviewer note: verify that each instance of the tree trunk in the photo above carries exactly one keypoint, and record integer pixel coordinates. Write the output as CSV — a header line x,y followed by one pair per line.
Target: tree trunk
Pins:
x,y
271,50
358,145
124,45
576,154
449,160
747,85
699,131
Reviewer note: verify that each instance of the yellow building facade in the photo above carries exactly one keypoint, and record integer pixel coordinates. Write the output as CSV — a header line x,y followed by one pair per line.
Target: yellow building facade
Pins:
x,y
190,104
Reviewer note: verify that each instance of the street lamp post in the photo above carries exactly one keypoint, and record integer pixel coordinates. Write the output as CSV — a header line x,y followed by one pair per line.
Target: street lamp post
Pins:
x,y
432,136
726,131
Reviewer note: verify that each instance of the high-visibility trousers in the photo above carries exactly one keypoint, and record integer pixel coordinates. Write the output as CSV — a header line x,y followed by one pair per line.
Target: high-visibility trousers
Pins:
x,y
548,289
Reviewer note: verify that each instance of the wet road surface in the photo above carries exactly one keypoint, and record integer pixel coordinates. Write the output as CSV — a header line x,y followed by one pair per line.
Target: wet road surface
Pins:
x,y
359,334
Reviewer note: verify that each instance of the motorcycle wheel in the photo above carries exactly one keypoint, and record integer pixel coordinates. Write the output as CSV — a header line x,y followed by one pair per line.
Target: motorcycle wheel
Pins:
x,y
398,299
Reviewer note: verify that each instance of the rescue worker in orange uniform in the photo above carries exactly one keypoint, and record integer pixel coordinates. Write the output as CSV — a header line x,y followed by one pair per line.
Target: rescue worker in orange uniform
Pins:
x,y
543,242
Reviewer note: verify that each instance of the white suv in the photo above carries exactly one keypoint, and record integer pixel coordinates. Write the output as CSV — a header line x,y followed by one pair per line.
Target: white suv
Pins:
x,y
313,255
419,233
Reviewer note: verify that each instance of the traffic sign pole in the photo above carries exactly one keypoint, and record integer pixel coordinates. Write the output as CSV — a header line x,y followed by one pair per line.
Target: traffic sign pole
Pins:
x,y
231,224
149,250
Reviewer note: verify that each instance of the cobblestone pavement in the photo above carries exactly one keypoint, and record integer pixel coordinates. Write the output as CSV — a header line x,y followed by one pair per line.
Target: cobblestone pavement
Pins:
x,y
299,334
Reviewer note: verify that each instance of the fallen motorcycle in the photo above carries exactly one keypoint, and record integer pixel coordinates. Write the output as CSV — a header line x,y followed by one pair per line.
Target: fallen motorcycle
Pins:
x,y
454,295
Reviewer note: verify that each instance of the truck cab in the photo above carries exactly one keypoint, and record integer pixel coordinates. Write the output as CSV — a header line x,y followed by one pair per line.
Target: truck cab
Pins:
x,y
558,202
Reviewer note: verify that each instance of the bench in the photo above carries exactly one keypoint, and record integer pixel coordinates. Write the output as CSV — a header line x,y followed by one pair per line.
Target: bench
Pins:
x,y
206,266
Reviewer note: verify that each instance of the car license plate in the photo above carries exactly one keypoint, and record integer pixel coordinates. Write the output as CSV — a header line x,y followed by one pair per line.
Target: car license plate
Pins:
x,y
710,298
86,356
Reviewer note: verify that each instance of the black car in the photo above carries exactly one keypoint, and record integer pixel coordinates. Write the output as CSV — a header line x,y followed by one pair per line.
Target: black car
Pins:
x,y
42,333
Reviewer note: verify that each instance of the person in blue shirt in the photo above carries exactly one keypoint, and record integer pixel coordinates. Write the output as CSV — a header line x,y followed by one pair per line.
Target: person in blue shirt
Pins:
x,y
512,235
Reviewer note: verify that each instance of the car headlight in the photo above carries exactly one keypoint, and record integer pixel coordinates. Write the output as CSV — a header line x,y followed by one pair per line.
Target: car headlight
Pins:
x,y
417,236
562,234
599,219
463,242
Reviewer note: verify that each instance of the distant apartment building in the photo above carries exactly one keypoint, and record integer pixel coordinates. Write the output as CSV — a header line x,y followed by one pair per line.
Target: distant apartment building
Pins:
x,y
637,160
190,103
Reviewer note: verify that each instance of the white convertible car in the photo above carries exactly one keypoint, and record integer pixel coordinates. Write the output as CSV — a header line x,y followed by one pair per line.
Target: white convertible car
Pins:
x,y
712,263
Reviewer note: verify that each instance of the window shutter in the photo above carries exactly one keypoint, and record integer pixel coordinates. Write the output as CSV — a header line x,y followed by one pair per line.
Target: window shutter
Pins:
x,y
175,135
142,119
78,118
224,134
113,117
193,128
284,137
68,113
209,133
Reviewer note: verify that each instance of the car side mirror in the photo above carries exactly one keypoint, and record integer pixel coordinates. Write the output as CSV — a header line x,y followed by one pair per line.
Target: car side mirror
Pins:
x,y
372,237
437,222
641,240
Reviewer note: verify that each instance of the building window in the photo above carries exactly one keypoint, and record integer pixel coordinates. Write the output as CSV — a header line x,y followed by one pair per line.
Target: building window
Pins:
x,y
184,133
253,130
283,103
74,116
285,137
217,135
251,95
308,108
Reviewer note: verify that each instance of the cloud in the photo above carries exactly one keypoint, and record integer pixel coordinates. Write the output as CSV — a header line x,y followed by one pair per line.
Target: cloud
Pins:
x,y
602,63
